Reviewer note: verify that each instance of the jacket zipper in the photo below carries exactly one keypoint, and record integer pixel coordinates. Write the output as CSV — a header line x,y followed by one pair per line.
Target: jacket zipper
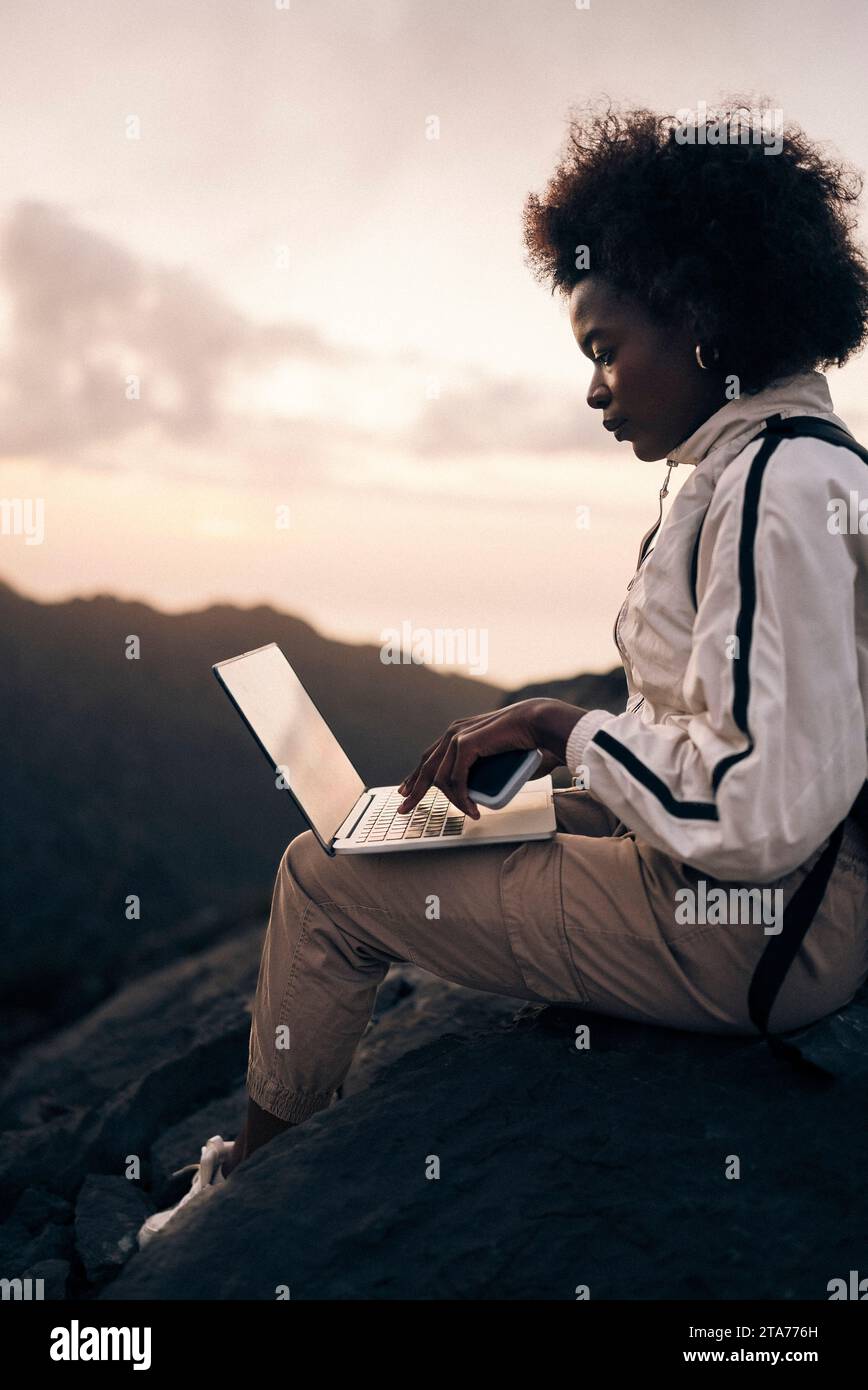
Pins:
x,y
644,552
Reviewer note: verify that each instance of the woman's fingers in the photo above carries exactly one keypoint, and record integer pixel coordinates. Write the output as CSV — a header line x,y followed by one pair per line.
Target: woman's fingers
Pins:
x,y
446,764
449,777
507,729
407,784
411,777
418,785
438,773
452,775
549,763
419,781
412,788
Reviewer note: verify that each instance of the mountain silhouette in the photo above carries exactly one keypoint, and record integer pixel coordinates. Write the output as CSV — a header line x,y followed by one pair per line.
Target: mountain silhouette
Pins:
x,y
135,778
138,777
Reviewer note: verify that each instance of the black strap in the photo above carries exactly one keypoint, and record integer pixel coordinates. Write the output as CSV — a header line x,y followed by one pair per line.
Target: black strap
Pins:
x,y
797,425
793,427
782,949
694,559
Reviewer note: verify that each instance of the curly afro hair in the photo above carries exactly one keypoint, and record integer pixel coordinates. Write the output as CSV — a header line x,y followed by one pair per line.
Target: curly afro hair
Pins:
x,y
753,250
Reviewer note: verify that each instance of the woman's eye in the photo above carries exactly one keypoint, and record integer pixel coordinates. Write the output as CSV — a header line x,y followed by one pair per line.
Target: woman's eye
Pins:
x,y
604,357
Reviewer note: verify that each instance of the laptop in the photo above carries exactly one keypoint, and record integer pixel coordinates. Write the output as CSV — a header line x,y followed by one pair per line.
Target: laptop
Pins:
x,y
346,816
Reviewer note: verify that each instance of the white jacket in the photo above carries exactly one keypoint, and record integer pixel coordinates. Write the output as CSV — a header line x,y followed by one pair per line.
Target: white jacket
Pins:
x,y
740,758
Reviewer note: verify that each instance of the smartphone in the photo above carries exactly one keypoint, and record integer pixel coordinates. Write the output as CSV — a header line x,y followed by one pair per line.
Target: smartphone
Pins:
x,y
493,781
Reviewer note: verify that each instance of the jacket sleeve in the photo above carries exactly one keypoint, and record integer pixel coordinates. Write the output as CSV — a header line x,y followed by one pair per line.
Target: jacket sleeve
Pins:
x,y
770,752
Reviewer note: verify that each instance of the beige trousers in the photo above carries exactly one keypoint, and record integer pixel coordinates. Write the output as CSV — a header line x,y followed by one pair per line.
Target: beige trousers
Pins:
x,y
589,917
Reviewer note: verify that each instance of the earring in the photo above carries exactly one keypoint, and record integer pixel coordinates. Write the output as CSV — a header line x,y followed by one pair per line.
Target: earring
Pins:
x,y
704,365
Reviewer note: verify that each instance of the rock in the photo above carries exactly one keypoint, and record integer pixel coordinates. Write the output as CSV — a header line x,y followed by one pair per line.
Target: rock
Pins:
x,y
839,1043
557,1167
108,1214
35,1209
174,1012
107,1087
53,1242
22,1244
412,1008
181,1143
16,1243
415,1009
151,1075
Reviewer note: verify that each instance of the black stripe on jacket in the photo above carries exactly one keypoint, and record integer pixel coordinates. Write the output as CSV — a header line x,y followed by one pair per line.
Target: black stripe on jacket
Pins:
x,y
707,810
775,429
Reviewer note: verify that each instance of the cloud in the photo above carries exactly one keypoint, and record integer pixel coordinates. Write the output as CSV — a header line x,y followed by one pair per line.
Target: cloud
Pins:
x,y
499,416
84,314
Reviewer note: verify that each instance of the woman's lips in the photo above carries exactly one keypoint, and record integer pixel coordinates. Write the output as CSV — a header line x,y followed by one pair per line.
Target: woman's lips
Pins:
x,y
616,426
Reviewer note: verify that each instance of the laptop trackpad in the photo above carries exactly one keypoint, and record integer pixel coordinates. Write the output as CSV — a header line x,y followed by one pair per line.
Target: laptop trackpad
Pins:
x,y
528,812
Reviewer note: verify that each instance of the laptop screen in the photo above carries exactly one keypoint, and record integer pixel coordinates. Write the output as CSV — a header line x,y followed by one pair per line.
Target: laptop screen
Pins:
x,y
294,734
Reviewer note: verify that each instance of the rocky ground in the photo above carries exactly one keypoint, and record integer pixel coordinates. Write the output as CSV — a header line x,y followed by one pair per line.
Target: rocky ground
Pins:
x,y
475,1153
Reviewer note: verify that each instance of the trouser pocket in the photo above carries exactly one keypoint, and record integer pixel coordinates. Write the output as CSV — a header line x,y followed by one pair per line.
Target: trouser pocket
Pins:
x,y
530,889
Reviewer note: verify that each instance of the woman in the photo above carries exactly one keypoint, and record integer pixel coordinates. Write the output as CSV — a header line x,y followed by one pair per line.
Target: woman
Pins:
x,y
707,283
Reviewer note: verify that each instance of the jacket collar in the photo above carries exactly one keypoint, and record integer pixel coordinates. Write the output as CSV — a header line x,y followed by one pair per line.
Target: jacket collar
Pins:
x,y
734,424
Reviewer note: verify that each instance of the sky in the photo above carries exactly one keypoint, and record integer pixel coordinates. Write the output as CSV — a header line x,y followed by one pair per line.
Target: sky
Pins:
x,y
262,339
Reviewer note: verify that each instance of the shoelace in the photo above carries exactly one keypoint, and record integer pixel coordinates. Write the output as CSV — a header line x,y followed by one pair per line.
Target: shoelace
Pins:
x,y
189,1167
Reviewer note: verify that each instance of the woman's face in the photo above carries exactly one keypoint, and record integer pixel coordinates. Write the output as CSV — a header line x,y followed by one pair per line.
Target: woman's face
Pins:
x,y
645,374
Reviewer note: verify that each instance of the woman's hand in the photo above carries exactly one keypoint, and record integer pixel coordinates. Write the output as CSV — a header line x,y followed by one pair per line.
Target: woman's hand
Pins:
x,y
535,723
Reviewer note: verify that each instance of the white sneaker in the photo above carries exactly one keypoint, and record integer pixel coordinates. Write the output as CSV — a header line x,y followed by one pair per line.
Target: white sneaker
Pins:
x,y
209,1173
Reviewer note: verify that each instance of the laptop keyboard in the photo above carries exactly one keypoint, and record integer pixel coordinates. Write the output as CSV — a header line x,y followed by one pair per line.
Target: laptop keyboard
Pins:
x,y
434,817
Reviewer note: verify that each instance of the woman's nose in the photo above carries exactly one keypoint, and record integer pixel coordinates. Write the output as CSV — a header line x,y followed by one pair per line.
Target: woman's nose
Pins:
x,y
598,397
